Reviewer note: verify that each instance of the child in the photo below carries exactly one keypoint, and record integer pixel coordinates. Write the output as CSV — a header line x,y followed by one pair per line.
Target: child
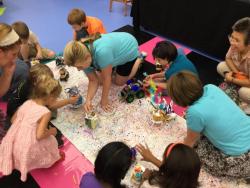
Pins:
x,y
166,54
83,25
30,47
238,61
179,168
99,56
111,166
29,144
40,69
35,72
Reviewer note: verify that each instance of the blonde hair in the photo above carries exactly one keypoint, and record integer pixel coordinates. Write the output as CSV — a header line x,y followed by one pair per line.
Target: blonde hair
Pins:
x,y
76,16
75,50
5,29
38,70
45,86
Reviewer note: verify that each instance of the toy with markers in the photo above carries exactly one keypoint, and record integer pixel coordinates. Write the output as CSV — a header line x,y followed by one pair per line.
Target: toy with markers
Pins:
x,y
64,74
137,172
34,62
59,61
162,112
132,90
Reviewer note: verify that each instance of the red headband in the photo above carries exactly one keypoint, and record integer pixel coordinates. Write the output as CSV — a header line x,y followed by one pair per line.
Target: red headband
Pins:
x,y
170,148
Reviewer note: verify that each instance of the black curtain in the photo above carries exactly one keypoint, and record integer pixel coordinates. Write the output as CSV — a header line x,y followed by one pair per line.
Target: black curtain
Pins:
x,y
202,25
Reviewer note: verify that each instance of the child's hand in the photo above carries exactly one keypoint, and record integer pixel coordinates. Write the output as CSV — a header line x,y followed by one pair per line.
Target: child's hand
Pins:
x,y
53,131
146,83
145,153
149,77
87,107
74,99
146,174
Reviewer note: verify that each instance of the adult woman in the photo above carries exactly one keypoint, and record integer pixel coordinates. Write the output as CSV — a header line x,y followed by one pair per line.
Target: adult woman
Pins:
x,y
99,56
9,48
236,67
225,145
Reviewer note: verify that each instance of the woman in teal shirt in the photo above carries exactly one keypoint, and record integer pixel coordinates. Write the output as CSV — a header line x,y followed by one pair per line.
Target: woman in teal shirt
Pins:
x,y
99,56
224,147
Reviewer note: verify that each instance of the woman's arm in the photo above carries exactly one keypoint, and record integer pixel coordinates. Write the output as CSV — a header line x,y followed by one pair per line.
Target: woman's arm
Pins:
x,y
93,85
191,138
244,83
6,77
231,65
42,130
92,88
106,75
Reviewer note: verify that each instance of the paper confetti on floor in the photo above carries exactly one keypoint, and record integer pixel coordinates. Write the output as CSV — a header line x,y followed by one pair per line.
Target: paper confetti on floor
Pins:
x,y
130,123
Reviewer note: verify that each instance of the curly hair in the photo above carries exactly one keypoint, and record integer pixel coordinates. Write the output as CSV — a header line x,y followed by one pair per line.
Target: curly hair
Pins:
x,y
45,86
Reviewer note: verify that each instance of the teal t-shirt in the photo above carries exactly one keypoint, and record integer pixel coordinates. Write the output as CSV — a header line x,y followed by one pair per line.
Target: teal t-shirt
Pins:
x,y
114,49
181,63
218,118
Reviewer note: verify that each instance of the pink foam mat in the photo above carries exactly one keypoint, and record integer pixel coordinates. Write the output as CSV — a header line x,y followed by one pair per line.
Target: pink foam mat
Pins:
x,y
177,109
149,46
64,174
